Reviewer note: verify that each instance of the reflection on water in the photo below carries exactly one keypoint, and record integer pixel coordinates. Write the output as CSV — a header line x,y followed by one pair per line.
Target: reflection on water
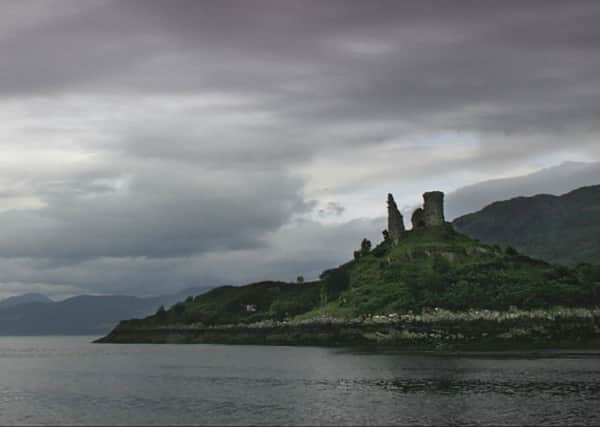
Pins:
x,y
69,381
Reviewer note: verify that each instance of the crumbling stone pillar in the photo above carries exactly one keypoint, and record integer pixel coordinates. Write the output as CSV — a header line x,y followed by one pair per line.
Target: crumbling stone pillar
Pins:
x,y
395,220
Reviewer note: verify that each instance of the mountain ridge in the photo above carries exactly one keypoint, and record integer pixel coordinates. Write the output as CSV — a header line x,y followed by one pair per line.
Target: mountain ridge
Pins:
x,y
563,229
554,180
81,314
30,297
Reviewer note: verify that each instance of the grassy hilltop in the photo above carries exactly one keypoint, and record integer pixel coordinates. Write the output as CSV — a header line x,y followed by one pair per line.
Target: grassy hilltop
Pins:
x,y
433,267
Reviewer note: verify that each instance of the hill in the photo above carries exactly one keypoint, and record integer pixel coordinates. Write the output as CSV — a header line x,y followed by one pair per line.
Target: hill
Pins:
x,y
80,315
386,294
24,299
433,267
249,303
563,229
553,180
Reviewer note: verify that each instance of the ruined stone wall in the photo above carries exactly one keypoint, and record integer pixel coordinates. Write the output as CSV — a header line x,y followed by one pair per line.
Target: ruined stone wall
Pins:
x,y
432,212
417,218
395,220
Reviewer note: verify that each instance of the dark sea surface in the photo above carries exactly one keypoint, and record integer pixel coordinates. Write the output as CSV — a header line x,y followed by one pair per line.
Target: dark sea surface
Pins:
x,y
68,380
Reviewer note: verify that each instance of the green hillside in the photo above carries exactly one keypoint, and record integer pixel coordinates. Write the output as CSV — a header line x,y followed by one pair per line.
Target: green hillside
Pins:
x,y
433,267
563,229
250,303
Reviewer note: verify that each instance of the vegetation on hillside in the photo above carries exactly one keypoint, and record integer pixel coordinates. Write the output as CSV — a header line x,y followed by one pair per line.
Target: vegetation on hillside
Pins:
x,y
427,268
244,304
563,229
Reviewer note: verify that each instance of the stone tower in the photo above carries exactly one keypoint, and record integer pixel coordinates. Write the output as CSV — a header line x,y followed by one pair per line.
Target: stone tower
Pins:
x,y
432,212
395,220
433,209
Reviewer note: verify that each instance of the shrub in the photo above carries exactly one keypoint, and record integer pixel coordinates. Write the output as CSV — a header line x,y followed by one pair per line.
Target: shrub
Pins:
x,y
161,314
365,246
336,283
440,264
179,308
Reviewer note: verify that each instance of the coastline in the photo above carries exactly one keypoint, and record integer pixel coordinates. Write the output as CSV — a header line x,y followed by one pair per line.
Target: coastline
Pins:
x,y
438,330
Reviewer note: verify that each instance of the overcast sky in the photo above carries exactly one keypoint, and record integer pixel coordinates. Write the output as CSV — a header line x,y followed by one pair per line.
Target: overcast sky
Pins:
x,y
151,146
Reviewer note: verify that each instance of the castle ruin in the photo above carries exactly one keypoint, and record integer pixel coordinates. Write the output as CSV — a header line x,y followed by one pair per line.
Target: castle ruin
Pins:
x,y
395,220
431,214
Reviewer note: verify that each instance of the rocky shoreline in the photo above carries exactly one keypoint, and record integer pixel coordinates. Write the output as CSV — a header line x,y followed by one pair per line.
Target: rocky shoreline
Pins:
x,y
438,329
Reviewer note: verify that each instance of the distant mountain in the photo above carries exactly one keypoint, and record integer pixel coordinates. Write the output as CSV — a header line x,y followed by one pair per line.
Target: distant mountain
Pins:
x,y
564,229
554,180
24,299
80,315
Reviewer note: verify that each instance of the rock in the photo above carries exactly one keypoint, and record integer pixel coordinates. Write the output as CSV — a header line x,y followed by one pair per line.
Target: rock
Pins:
x,y
450,256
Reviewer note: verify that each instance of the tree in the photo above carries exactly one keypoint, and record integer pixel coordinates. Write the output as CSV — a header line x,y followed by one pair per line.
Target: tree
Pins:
x,y
179,308
386,235
336,282
161,313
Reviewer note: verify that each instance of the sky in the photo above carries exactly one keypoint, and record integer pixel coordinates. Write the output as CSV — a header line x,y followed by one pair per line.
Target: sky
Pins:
x,y
149,146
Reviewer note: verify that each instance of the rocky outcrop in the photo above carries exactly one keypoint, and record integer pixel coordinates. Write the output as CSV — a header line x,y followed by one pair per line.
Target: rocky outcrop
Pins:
x,y
432,212
395,220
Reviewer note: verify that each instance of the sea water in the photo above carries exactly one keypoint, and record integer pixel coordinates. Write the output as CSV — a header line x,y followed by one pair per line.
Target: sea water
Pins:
x,y
69,380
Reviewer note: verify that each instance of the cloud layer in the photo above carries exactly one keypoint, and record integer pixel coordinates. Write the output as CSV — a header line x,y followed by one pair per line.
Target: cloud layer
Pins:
x,y
148,146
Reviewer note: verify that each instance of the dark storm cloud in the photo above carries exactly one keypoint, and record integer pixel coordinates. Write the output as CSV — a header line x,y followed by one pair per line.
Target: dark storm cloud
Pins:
x,y
512,65
153,216
306,248
168,142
